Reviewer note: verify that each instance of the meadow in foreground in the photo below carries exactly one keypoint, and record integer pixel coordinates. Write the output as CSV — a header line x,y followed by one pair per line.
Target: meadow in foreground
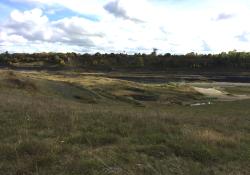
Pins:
x,y
70,124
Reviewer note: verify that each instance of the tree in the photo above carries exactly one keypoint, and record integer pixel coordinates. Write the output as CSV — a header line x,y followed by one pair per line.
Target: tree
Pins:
x,y
154,53
139,61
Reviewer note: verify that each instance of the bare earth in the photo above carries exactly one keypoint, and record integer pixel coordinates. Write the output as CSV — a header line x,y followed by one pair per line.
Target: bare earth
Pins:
x,y
222,96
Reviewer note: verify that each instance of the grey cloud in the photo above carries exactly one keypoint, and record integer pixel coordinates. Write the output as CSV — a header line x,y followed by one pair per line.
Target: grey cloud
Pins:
x,y
114,9
75,30
224,16
25,30
71,34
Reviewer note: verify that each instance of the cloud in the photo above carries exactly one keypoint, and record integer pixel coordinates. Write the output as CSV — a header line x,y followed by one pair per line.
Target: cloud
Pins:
x,y
115,9
224,16
86,7
244,37
75,31
33,26
116,26
4,38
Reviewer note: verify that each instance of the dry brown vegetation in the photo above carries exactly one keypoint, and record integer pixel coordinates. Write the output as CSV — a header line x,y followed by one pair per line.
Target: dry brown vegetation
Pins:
x,y
67,123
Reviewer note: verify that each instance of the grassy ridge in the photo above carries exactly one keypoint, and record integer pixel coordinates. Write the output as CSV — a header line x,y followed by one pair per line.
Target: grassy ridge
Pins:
x,y
66,124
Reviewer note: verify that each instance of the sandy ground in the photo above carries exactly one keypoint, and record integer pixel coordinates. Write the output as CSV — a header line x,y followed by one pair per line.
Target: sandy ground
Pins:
x,y
218,84
220,95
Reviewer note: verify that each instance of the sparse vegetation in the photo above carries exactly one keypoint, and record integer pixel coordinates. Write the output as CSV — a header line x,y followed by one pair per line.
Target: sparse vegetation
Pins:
x,y
75,123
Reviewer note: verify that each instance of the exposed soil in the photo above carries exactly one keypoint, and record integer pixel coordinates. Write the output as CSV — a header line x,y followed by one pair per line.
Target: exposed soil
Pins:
x,y
220,95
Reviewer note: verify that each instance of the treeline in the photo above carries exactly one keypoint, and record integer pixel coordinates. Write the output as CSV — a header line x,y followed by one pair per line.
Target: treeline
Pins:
x,y
232,59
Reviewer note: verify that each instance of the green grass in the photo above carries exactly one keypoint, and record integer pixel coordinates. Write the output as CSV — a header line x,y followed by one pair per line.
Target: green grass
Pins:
x,y
45,130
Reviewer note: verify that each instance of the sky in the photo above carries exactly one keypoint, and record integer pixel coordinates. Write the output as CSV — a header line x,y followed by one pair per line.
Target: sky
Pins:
x,y
125,26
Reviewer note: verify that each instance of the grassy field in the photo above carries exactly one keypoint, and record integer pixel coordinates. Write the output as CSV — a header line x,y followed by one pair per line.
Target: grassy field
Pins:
x,y
66,123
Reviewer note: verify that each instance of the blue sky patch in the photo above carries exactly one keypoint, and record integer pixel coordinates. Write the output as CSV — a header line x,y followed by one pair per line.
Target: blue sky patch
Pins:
x,y
58,13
